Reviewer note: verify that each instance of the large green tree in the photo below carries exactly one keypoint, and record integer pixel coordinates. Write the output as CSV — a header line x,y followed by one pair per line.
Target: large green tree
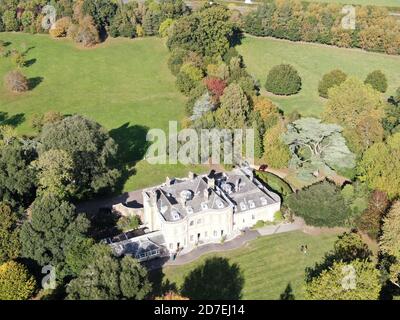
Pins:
x,y
107,277
380,166
358,280
17,179
234,108
54,226
92,150
320,204
207,31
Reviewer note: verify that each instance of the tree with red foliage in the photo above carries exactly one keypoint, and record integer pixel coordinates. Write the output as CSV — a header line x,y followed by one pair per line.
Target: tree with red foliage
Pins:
x,y
216,86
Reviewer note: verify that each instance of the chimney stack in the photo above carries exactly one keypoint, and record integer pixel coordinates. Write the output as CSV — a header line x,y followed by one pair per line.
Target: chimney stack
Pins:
x,y
211,183
206,194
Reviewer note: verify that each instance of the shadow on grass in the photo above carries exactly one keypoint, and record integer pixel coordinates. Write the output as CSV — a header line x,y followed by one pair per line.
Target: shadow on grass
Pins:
x,y
30,62
160,286
34,82
215,279
132,147
14,121
288,293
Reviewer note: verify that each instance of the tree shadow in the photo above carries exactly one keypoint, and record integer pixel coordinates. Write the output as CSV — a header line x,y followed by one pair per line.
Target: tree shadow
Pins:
x,y
30,62
288,293
27,51
215,279
14,121
132,147
103,224
34,82
159,286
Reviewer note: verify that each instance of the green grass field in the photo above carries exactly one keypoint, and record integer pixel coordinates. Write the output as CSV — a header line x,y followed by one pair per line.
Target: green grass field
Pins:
x,y
269,264
123,84
312,61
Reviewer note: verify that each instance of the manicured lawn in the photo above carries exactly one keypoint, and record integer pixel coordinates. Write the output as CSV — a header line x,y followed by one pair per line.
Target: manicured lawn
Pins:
x,y
312,61
123,84
269,264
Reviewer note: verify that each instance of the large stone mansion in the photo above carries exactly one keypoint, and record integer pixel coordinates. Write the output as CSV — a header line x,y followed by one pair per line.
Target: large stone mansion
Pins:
x,y
181,214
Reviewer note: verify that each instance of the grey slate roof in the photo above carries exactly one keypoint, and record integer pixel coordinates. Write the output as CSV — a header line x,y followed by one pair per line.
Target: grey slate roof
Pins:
x,y
238,189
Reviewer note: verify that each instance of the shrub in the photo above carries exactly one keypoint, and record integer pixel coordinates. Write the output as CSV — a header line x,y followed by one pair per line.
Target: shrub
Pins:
x,y
194,73
329,80
377,80
176,59
72,31
283,79
139,31
15,282
15,81
276,183
60,27
18,58
185,83
321,205
165,27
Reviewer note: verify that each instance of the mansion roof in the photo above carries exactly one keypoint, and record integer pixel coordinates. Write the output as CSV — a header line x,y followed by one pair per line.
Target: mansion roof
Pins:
x,y
178,198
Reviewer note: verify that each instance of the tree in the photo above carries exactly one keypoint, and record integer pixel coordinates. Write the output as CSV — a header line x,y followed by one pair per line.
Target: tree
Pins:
x,y
60,27
234,108
9,234
91,148
377,80
109,278
87,33
216,86
268,111
207,31
359,109
101,11
15,282
16,82
329,80
390,238
370,219
321,145
10,20
53,228
17,178
283,79
54,172
276,152
358,280
380,168
320,204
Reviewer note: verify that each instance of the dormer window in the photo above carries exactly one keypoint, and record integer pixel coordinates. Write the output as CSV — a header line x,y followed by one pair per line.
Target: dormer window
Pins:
x,y
189,209
263,201
243,206
175,215
252,205
219,203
